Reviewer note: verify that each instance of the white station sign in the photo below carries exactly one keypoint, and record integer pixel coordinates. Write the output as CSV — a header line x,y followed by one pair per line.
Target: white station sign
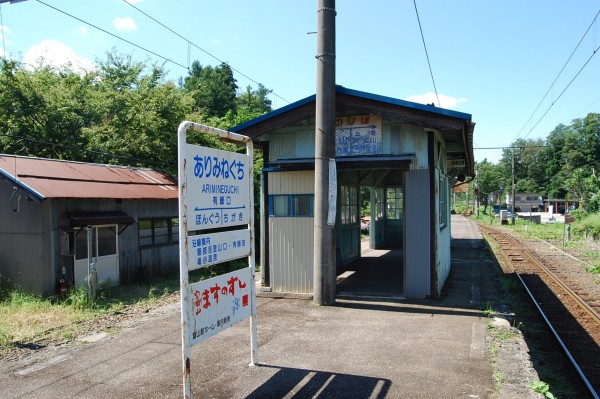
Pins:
x,y
210,249
218,188
219,303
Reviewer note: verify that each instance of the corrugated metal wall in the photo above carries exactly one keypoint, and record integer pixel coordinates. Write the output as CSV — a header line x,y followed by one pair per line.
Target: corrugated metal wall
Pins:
x,y
408,139
417,239
21,241
297,142
134,263
291,238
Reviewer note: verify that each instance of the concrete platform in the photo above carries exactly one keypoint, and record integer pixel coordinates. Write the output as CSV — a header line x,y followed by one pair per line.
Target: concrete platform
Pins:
x,y
356,349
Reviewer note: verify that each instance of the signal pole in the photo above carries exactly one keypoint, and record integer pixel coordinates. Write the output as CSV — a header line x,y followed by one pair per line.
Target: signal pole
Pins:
x,y
324,262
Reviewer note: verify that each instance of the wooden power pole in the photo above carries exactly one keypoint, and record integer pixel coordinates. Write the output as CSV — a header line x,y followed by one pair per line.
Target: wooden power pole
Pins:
x,y
325,186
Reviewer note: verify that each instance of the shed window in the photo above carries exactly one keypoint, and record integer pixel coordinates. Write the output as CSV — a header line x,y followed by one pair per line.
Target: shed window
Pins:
x,y
291,205
158,231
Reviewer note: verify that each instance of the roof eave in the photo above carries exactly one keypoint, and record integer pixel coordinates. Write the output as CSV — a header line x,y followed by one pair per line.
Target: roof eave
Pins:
x,y
18,185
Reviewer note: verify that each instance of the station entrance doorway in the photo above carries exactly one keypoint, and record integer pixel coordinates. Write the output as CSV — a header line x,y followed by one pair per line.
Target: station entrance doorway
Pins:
x,y
370,234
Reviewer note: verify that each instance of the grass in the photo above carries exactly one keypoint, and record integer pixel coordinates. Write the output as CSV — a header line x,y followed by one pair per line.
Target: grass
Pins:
x,y
542,388
499,335
25,318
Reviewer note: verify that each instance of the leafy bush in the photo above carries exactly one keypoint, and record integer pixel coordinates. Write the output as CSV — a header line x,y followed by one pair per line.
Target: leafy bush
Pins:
x,y
588,226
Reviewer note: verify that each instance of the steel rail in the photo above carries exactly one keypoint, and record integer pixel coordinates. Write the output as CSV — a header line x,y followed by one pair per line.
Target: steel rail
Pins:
x,y
584,379
588,309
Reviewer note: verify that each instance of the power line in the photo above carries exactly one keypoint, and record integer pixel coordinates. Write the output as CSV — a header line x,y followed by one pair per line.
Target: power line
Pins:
x,y
150,51
557,76
113,35
512,146
199,48
565,89
426,53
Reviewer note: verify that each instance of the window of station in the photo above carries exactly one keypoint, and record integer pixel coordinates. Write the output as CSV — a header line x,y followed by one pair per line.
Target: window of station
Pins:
x,y
394,203
379,204
291,205
349,205
443,202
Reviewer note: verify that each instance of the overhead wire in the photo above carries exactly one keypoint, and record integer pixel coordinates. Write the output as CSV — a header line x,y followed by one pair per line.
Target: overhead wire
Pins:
x,y
563,92
113,35
426,53
198,47
167,59
554,82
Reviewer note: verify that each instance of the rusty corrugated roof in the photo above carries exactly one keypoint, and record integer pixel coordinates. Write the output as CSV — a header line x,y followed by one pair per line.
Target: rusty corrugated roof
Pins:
x,y
50,178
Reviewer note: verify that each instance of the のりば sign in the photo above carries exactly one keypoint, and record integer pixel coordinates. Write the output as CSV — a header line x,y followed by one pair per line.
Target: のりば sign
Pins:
x,y
215,192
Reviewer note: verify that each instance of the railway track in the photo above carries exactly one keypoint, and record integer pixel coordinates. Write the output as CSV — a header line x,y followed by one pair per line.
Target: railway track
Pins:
x,y
571,313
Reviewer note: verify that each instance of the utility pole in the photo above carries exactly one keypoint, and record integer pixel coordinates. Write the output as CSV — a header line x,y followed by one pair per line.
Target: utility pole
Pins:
x,y
325,192
513,187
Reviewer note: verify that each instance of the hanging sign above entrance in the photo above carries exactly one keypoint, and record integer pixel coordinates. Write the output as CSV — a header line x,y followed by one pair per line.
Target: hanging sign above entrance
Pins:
x,y
358,135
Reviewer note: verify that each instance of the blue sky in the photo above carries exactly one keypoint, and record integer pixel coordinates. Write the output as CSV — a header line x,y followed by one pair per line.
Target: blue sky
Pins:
x,y
494,60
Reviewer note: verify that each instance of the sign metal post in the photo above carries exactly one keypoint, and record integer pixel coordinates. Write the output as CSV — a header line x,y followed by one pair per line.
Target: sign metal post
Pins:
x,y
215,192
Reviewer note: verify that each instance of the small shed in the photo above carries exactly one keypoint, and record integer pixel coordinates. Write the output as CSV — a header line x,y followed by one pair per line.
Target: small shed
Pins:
x,y
47,207
400,156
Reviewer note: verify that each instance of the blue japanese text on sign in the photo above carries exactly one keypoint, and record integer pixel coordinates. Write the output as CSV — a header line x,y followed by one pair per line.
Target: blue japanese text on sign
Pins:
x,y
218,188
358,135
210,249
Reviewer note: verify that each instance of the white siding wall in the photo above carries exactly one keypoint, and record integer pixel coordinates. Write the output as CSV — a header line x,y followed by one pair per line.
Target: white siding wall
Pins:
x,y
443,253
291,238
443,235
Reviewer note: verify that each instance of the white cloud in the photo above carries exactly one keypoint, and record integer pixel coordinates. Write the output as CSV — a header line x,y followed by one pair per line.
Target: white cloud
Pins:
x,y
55,53
428,98
83,30
215,42
4,32
124,24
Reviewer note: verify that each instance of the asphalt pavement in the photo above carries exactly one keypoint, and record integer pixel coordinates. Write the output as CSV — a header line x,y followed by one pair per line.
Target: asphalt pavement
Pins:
x,y
356,349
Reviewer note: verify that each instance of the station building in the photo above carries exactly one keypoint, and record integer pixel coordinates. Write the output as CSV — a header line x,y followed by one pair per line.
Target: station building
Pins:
x,y
403,157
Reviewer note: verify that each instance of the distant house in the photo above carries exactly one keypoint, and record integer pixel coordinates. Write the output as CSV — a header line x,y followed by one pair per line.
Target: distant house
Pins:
x,y
526,202
47,207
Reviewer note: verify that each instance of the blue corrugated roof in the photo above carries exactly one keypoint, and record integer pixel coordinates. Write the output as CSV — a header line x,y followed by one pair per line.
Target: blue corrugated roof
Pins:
x,y
355,93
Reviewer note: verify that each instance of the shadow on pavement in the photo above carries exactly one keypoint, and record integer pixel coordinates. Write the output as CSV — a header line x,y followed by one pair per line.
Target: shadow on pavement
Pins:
x,y
299,383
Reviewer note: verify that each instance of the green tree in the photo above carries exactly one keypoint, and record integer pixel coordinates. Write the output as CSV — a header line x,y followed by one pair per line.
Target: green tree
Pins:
x,y
137,113
214,89
254,102
585,186
489,181
43,111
